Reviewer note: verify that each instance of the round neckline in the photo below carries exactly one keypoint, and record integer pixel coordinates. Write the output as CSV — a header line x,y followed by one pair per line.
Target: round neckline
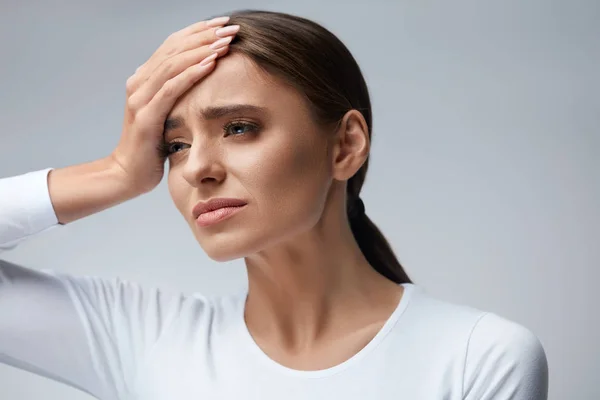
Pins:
x,y
250,344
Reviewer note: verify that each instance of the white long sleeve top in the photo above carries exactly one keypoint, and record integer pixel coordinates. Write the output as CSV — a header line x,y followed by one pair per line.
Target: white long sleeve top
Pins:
x,y
117,340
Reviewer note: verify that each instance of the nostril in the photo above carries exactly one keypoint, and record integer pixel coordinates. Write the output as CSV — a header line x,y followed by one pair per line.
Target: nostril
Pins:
x,y
208,179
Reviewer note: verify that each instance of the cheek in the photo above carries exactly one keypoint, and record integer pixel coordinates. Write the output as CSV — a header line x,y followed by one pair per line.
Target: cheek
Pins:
x,y
179,191
285,177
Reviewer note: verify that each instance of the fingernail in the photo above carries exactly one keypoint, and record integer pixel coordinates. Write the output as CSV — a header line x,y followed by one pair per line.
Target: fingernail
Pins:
x,y
217,21
221,43
228,30
208,59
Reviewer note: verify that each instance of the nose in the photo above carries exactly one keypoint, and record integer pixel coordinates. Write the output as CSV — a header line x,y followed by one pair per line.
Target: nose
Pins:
x,y
204,165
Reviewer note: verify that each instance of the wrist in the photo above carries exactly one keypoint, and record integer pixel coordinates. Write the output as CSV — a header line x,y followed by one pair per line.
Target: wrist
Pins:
x,y
81,190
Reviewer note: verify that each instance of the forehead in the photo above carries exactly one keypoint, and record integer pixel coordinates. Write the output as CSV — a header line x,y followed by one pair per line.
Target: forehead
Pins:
x,y
238,80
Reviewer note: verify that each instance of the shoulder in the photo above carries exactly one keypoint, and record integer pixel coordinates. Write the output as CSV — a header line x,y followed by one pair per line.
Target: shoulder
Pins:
x,y
504,358
498,358
493,332
479,329
425,311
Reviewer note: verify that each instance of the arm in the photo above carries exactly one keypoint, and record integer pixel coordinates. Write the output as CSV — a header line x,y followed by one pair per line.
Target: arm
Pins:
x,y
25,208
504,361
86,332
81,190
37,201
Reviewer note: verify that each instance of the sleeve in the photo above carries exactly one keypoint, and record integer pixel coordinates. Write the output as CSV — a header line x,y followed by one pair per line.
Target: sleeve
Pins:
x,y
25,208
89,333
504,361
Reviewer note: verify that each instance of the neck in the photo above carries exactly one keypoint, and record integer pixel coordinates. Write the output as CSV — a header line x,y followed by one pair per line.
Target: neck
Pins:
x,y
307,289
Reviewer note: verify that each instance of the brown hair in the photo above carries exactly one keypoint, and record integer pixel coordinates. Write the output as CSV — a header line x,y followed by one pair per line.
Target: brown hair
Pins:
x,y
318,64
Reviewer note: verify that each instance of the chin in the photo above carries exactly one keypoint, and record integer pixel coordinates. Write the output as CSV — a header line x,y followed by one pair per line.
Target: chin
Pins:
x,y
221,256
223,247
231,243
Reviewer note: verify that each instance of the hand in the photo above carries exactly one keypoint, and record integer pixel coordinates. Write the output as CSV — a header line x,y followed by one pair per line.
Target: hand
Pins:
x,y
181,61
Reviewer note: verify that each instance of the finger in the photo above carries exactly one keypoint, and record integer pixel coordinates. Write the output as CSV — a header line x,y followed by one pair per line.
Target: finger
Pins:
x,y
206,37
162,103
204,30
168,70
203,25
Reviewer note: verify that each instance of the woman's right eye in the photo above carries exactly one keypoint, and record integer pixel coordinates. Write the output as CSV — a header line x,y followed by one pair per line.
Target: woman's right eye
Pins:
x,y
167,149
175,146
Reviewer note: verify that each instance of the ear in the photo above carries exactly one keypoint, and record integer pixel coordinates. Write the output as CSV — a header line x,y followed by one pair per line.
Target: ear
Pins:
x,y
351,147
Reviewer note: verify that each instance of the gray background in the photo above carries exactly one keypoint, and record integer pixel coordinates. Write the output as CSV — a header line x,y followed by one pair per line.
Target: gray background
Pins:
x,y
485,169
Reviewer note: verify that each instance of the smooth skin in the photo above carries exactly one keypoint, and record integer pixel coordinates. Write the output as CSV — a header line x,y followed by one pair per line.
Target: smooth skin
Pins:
x,y
314,301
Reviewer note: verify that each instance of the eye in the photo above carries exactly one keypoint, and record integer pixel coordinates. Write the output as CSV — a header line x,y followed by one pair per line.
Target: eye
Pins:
x,y
239,128
174,147
166,149
236,128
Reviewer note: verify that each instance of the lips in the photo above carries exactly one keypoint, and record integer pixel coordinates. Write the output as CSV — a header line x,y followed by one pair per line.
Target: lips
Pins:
x,y
215,204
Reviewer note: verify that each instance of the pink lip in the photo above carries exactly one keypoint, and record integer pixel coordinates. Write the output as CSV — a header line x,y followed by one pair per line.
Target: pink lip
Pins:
x,y
216,210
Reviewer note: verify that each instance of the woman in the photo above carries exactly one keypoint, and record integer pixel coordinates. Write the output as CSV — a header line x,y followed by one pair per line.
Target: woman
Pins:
x,y
268,152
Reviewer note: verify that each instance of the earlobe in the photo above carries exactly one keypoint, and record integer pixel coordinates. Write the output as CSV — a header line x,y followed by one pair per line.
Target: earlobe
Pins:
x,y
352,146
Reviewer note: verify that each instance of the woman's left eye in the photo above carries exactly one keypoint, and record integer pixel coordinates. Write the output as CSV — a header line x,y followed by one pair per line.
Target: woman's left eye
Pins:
x,y
239,128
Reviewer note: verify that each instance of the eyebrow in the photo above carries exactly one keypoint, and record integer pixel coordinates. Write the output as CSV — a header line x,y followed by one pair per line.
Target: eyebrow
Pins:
x,y
211,113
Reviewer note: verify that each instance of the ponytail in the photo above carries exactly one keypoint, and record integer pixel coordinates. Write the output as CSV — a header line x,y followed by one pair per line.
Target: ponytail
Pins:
x,y
373,244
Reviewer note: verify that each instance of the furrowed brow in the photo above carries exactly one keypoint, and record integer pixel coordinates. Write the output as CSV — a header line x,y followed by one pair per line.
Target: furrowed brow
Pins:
x,y
211,113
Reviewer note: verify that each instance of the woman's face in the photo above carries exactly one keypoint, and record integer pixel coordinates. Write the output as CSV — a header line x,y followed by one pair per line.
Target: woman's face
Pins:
x,y
248,136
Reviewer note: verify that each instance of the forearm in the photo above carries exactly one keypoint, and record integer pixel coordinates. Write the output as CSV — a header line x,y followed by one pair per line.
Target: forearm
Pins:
x,y
81,190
